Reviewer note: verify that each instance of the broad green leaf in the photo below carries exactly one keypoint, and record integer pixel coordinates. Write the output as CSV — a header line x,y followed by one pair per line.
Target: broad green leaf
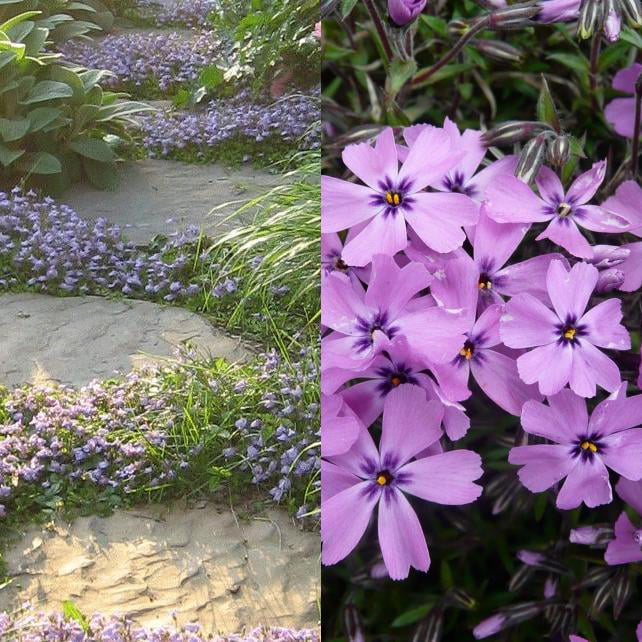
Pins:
x,y
347,6
22,17
546,111
211,77
11,130
93,148
7,156
6,57
21,31
100,175
42,163
632,37
47,90
80,6
42,116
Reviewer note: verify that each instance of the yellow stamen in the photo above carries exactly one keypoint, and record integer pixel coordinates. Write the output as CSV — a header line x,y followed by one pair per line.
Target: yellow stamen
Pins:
x,y
395,381
585,445
466,352
485,285
570,333
389,198
396,199
381,480
593,448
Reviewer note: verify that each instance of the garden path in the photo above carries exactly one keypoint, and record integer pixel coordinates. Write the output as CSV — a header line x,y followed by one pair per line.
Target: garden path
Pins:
x,y
72,340
164,197
203,563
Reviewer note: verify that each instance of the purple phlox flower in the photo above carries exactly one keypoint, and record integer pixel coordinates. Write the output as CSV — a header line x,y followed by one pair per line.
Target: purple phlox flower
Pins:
x,y
393,196
404,11
480,354
332,261
626,547
583,449
365,323
366,477
566,339
490,626
493,244
626,203
390,370
462,179
620,112
513,201
340,426
558,10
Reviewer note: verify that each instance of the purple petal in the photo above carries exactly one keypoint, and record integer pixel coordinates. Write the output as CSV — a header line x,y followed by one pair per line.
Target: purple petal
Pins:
x,y
385,234
550,187
631,493
510,200
585,185
571,290
632,268
623,453
620,113
604,328
603,370
623,549
527,322
587,482
344,204
550,366
566,234
373,165
335,479
543,465
600,219
341,304
625,79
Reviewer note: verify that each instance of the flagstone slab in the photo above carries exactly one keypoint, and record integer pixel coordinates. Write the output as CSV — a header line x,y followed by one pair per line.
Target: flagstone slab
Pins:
x,y
204,564
73,340
164,197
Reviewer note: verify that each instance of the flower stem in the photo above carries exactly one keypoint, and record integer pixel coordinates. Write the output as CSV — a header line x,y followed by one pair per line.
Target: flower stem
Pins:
x,y
459,45
635,149
595,56
379,26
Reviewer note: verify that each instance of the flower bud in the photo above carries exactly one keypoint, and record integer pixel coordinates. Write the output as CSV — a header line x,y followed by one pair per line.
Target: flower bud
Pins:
x,y
353,624
513,131
490,626
632,11
515,16
404,11
609,280
589,15
559,151
458,27
531,158
591,535
550,587
611,20
498,50
608,256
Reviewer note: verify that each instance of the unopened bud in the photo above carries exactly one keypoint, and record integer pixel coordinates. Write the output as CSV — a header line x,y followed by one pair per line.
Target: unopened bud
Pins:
x,y
632,11
458,27
591,535
514,17
609,280
559,151
608,256
531,159
353,624
550,587
498,50
611,20
513,131
590,12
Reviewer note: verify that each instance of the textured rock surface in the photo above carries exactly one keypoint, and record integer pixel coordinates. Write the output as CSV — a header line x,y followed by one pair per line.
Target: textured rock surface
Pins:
x,y
162,197
202,563
73,340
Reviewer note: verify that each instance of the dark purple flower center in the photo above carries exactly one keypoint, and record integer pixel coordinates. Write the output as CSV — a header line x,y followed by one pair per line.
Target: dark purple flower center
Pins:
x,y
393,196
468,350
339,264
588,447
570,331
393,376
484,282
367,328
456,183
384,478
564,209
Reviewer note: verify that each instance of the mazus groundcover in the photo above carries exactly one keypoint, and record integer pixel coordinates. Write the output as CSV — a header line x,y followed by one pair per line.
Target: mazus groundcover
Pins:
x,y
482,264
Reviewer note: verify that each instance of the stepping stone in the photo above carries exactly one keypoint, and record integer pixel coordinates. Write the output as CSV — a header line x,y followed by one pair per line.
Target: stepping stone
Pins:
x,y
164,197
200,562
73,340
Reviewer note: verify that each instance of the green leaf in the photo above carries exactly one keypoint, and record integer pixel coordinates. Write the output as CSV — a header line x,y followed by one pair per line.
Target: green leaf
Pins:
x,y
347,6
42,116
13,129
448,71
72,612
411,616
438,25
12,22
42,163
211,77
400,72
546,111
100,175
7,156
632,37
575,62
47,90
93,148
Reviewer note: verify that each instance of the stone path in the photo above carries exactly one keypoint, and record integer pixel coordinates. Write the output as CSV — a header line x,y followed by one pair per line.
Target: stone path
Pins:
x,y
73,340
201,563
163,197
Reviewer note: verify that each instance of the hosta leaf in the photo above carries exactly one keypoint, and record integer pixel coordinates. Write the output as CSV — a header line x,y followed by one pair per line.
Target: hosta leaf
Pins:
x,y
47,90
6,57
35,41
7,156
41,163
12,22
13,129
21,31
93,148
101,175
42,116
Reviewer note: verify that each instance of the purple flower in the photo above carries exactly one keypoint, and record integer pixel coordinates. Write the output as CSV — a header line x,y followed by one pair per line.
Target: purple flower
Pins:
x,y
340,427
512,201
565,339
583,449
627,545
620,112
558,10
355,483
393,197
403,11
490,626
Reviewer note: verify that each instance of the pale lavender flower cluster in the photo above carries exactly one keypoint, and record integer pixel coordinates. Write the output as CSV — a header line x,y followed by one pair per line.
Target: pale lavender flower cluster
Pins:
x,y
164,58
41,627
288,120
185,14
47,246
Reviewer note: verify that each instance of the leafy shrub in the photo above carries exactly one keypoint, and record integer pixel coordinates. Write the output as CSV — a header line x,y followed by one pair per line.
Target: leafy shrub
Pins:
x,y
54,118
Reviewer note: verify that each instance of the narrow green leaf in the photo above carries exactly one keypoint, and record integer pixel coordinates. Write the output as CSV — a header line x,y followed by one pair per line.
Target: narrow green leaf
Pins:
x,y
546,111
